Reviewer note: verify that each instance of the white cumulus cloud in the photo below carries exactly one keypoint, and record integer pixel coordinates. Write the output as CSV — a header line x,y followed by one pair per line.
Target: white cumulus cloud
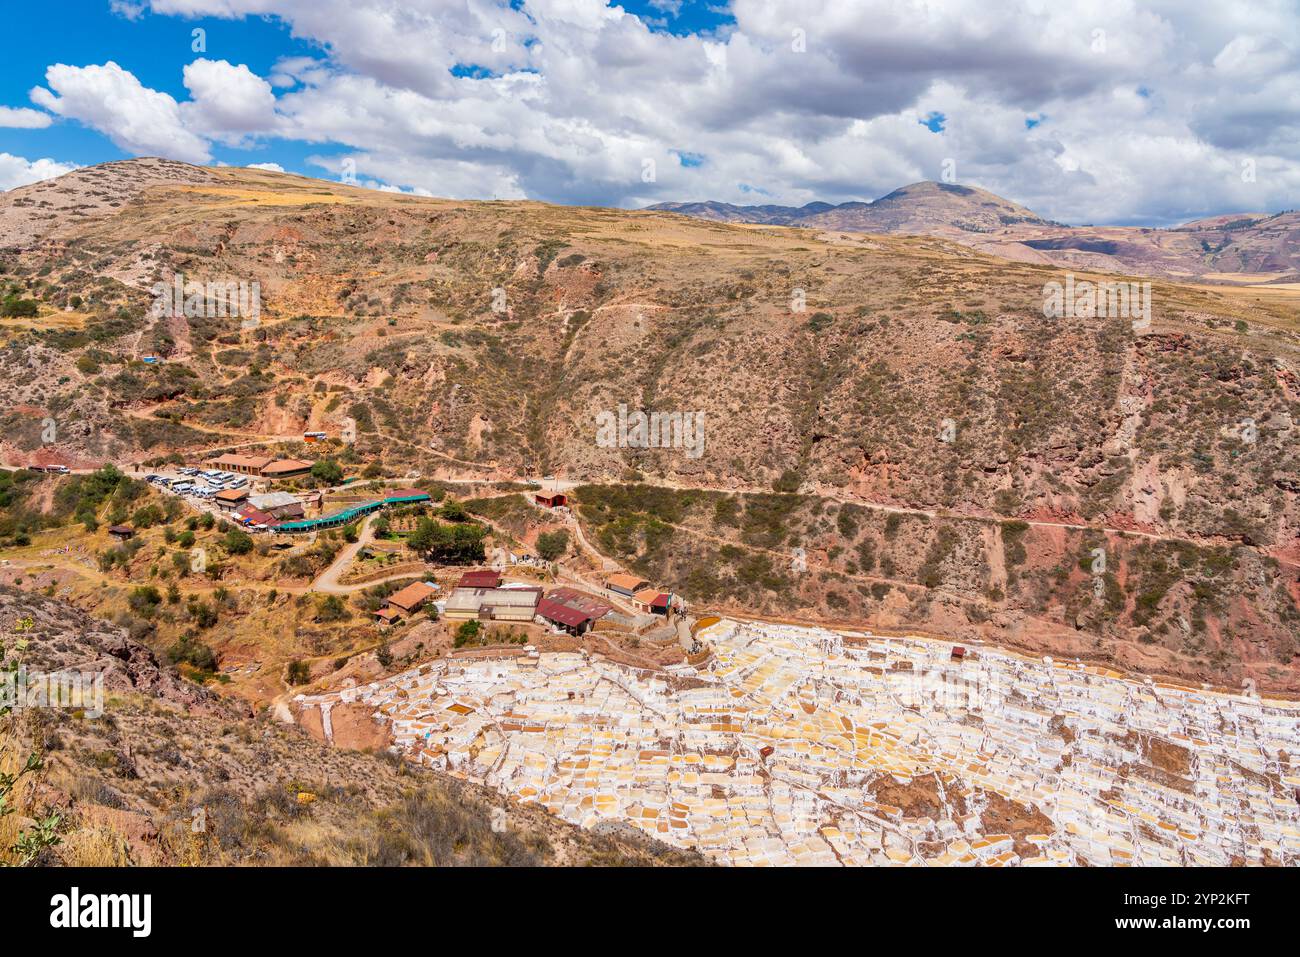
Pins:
x,y
1101,111
226,102
23,118
16,171
112,101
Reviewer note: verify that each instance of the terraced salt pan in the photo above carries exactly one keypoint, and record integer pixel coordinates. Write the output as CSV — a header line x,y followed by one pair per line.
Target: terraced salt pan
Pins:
x,y
1120,771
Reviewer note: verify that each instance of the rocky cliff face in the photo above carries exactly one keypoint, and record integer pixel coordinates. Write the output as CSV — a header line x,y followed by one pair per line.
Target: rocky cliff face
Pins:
x,y
51,637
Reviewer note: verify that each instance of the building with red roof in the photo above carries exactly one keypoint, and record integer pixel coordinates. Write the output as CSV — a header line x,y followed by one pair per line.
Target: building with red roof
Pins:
x,y
480,579
572,610
652,601
254,516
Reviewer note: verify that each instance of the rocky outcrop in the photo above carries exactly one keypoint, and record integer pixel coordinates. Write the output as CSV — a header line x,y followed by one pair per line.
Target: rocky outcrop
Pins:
x,y
56,637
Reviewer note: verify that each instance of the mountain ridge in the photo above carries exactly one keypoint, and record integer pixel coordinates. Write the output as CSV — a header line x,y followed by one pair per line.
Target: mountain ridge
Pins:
x,y
1254,246
905,199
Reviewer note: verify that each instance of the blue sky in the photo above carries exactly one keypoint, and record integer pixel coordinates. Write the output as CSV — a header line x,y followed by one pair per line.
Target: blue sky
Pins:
x,y
153,48
1137,111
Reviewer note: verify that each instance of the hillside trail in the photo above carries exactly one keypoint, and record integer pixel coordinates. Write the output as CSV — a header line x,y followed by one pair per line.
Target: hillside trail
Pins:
x,y
934,513
328,580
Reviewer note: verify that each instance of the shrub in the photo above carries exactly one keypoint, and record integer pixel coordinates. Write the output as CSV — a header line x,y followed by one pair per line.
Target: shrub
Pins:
x,y
189,650
789,481
145,600
237,542
204,615
13,307
551,545
467,632
298,673
332,608
146,516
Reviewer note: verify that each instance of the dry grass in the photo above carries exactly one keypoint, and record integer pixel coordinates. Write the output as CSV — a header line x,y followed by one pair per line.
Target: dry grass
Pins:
x,y
21,799
99,846
232,196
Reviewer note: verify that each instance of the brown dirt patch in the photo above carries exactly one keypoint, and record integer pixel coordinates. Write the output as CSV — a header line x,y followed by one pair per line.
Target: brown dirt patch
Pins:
x,y
923,796
1001,816
355,728
1166,755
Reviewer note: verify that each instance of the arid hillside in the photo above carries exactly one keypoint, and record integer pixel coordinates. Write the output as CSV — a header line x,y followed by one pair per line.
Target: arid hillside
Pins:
x,y
1226,615
885,372
159,771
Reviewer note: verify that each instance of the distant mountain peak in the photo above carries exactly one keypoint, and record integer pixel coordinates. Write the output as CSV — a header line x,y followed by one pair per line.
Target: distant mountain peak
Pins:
x,y
1262,244
916,207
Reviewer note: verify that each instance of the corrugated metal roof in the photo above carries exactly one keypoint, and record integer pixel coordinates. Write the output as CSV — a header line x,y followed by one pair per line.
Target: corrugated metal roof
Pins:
x,y
555,611
479,579
273,500
254,516
571,607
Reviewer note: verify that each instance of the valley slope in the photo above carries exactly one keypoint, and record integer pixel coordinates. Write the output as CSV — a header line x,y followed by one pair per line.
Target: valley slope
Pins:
x,y
486,338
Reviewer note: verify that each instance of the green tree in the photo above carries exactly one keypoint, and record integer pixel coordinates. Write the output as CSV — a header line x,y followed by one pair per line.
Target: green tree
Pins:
x,y
455,544
467,632
237,542
454,511
327,472
423,539
551,545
